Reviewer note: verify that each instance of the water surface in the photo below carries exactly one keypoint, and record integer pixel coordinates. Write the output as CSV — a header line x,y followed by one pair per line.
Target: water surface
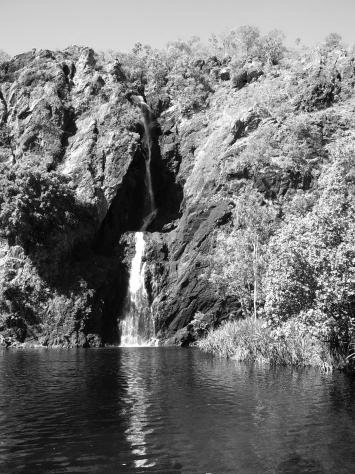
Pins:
x,y
167,410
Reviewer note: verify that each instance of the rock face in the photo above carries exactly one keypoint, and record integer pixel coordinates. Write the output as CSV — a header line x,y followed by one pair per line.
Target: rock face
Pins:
x,y
71,114
67,112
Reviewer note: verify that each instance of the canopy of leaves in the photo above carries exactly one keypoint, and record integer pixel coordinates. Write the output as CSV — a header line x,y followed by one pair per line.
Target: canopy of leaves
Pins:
x,y
4,56
37,208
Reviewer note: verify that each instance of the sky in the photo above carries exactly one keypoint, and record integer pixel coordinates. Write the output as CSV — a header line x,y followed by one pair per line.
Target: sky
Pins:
x,y
119,24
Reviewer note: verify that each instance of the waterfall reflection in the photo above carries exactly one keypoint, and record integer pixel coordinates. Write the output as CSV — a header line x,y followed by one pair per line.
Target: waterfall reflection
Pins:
x,y
168,410
137,407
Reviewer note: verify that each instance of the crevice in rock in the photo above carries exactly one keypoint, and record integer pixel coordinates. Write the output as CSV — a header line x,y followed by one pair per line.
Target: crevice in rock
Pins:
x,y
66,70
131,204
69,129
127,208
3,118
168,193
128,212
69,126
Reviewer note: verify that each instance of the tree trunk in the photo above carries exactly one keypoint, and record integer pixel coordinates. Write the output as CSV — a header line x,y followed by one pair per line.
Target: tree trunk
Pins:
x,y
255,271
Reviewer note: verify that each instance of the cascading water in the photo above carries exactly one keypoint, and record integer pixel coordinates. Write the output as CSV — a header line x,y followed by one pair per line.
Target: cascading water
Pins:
x,y
147,119
137,327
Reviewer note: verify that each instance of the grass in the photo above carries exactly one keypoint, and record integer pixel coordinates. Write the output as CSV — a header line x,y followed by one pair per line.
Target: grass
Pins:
x,y
252,340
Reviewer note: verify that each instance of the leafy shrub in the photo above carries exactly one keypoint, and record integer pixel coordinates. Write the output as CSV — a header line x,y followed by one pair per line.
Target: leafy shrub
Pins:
x,y
200,324
312,258
246,43
31,77
252,340
245,339
238,264
320,91
38,208
189,85
294,146
4,57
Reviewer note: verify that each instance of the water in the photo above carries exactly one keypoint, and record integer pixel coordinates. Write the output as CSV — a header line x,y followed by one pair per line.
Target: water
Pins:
x,y
147,121
137,328
167,410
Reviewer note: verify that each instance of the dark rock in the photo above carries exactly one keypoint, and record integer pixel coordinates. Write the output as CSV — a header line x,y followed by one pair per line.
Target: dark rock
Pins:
x,y
244,126
246,77
183,337
199,63
178,295
224,74
239,80
118,72
253,75
213,61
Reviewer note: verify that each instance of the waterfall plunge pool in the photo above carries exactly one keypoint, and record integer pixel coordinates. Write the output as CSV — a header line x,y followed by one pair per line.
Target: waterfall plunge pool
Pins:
x,y
169,410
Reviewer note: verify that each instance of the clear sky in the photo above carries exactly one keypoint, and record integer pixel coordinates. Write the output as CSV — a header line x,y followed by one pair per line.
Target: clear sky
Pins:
x,y
118,24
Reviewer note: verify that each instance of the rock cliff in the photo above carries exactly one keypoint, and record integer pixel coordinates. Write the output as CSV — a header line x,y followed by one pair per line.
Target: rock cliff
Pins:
x,y
70,114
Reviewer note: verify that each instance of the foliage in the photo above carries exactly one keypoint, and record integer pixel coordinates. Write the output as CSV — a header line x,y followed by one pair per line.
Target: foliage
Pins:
x,y
4,56
28,309
6,142
311,266
302,157
333,41
189,85
200,324
245,336
287,255
37,208
238,264
247,44
294,146
146,67
252,340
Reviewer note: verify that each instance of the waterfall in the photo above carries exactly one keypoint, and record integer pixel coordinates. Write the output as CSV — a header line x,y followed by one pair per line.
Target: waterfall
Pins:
x,y
137,327
147,121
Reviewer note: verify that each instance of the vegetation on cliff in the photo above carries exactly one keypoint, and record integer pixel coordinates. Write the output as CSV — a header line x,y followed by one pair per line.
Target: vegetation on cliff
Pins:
x,y
257,143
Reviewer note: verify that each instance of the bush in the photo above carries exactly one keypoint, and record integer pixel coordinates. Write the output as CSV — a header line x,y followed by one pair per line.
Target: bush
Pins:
x,y
253,340
238,263
245,339
4,57
312,257
37,208
189,85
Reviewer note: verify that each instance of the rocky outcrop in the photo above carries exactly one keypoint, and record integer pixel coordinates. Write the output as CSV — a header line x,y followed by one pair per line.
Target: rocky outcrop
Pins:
x,y
65,112
71,114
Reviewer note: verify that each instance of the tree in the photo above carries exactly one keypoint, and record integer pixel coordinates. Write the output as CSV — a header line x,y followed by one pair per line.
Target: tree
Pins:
x,y
188,82
333,41
311,267
7,140
238,43
272,49
4,56
37,208
247,36
239,261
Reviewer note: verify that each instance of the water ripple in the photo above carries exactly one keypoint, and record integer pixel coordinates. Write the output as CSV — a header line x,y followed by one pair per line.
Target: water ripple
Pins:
x,y
160,410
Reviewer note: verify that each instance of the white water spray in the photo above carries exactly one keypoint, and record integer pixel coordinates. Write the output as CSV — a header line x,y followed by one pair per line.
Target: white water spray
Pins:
x,y
137,329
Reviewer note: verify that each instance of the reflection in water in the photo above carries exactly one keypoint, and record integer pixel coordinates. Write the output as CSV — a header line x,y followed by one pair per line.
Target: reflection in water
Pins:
x,y
138,424
135,410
